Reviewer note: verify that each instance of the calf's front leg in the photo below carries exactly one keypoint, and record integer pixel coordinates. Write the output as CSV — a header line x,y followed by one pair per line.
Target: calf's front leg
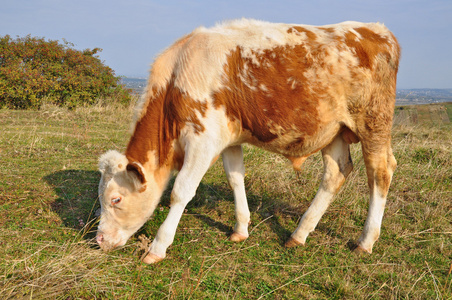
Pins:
x,y
196,164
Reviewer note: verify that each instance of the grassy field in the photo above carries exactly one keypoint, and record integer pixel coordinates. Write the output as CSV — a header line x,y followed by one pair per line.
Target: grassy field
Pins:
x,y
48,199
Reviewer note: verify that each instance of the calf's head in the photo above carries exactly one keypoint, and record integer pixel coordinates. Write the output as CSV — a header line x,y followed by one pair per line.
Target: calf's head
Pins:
x,y
128,195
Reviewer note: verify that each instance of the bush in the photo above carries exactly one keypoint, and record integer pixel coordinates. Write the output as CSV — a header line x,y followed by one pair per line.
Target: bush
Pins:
x,y
33,70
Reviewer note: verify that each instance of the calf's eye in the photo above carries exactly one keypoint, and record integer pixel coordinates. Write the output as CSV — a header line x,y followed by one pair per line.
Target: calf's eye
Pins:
x,y
115,201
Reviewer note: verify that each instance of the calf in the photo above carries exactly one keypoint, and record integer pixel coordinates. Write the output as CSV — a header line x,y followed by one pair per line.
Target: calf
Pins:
x,y
290,89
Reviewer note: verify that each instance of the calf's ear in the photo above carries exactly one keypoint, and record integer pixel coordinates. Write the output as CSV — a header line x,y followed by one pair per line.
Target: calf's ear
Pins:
x,y
136,172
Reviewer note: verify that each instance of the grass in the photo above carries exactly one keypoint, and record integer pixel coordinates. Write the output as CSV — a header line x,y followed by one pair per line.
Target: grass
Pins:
x,y
48,196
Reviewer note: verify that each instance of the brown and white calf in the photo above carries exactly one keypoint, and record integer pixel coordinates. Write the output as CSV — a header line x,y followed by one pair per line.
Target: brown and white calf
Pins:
x,y
290,89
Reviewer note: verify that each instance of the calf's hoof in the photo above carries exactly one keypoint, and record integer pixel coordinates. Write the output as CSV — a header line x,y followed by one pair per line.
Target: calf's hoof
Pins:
x,y
291,242
237,237
151,259
361,250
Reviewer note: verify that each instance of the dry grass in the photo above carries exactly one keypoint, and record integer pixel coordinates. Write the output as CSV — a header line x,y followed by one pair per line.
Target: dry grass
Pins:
x,y
48,195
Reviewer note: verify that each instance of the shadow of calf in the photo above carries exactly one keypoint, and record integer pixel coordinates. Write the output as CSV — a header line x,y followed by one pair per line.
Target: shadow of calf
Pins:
x,y
77,196
267,207
77,203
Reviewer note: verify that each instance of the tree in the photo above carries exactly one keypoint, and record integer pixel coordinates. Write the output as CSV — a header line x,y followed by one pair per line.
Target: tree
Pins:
x,y
33,70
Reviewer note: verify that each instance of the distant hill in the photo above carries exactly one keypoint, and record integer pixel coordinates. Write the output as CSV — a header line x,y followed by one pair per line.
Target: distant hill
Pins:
x,y
404,96
423,96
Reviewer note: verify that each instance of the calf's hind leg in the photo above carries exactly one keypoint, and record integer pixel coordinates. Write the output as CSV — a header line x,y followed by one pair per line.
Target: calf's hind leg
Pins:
x,y
380,165
337,166
235,173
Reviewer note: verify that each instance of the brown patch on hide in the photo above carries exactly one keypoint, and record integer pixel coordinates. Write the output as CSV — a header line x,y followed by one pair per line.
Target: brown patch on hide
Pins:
x,y
178,157
181,110
367,46
328,30
259,93
298,29
166,115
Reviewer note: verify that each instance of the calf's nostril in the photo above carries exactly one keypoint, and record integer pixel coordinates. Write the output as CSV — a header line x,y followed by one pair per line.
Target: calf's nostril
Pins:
x,y
99,239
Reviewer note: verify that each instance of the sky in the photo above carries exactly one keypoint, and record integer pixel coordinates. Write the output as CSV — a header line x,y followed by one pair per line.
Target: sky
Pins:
x,y
133,32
